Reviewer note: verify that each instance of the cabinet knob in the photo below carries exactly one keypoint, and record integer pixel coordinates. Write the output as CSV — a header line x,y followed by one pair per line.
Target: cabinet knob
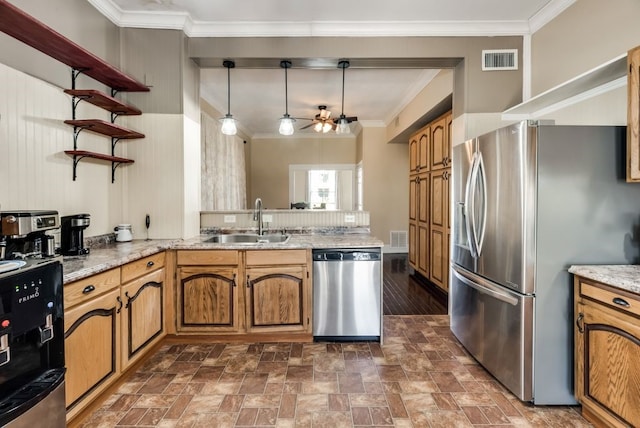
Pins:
x,y
150,263
88,289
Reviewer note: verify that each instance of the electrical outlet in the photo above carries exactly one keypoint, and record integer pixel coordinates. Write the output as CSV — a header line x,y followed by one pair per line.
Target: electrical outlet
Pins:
x,y
349,218
229,219
267,218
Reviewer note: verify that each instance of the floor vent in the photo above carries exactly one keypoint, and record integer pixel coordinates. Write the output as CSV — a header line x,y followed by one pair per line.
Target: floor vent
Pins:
x,y
399,239
499,59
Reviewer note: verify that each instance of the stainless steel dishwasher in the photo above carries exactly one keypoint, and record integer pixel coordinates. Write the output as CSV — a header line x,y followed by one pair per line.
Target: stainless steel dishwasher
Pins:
x,y
347,294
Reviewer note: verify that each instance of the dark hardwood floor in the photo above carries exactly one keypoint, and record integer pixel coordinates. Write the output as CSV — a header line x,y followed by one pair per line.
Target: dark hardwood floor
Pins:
x,y
405,294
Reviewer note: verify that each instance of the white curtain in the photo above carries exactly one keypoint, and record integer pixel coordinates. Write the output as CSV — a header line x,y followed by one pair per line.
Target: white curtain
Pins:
x,y
224,184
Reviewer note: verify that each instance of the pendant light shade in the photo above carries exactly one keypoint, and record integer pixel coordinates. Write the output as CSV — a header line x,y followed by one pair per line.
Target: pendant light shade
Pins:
x,y
286,121
228,122
342,127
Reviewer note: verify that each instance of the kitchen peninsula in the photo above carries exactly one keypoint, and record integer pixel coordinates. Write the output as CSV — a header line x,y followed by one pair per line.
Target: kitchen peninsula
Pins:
x,y
124,298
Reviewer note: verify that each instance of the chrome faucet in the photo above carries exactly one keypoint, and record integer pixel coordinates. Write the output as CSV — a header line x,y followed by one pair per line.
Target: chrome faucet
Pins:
x,y
257,214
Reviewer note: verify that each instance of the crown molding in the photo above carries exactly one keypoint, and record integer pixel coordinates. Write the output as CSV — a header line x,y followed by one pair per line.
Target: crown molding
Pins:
x,y
183,21
548,13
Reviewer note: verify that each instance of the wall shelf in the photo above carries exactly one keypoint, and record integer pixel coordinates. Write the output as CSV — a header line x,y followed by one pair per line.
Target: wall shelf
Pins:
x,y
80,154
104,128
104,101
599,80
34,33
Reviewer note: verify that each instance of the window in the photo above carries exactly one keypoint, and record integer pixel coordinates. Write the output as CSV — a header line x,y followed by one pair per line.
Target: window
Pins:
x,y
329,187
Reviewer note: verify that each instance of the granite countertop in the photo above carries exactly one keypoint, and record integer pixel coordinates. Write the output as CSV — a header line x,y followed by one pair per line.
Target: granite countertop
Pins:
x,y
109,256
625,277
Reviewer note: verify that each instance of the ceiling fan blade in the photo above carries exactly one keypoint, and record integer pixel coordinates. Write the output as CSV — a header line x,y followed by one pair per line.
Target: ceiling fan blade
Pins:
x,y
352,119
307,126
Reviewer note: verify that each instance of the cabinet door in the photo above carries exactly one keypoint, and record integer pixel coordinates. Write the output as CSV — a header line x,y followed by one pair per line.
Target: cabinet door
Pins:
x,y
424,144
438,228
440,150
423,249
610,364
422,189
143,315
413,198
92,348
413,241
633,115
208,299
278,298
414,151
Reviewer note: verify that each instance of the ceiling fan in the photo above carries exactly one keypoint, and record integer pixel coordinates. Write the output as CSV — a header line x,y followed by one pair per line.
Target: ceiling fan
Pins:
x,y
323,121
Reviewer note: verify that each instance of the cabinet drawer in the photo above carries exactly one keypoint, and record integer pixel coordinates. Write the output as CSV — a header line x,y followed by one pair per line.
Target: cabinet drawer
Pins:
x,y
617,299
277,257
140,267
88,288
207,258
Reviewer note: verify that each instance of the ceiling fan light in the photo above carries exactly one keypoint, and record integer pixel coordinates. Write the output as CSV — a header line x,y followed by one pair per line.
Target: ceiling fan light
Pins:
x,y
228,125
326,127
317,127
286,125
343,126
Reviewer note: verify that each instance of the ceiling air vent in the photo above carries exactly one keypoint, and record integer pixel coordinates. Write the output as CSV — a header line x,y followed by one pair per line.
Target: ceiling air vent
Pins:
x,y
499,59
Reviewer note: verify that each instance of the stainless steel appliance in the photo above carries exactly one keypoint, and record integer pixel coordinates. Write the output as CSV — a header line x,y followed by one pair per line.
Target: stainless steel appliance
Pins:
x,y
72,234
32,344
347,294
529,201
23,233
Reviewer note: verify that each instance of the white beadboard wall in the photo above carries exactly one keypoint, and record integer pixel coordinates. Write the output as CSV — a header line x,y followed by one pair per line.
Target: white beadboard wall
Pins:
x,y
285,219
34,171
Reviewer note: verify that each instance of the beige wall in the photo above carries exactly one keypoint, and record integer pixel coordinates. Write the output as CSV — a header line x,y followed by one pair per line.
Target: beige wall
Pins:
x,y
386,183
585,35
271,157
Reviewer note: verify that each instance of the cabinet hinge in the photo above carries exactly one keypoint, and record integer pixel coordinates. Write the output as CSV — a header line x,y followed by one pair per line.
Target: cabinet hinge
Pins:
x,y
307,274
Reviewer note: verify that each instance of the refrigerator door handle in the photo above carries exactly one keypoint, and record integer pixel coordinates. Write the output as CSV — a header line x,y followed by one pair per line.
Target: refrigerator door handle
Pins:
x,y
483,181
484,286
469,207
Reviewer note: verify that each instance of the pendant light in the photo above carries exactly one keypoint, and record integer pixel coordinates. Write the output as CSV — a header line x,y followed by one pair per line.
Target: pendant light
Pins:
x,y
228,122
286,121
343,124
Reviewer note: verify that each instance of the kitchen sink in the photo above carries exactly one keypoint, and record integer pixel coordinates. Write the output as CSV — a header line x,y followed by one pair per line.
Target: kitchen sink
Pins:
x,y
249,238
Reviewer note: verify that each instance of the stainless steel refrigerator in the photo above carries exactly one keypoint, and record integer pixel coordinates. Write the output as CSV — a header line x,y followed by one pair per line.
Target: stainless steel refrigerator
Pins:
x,y
528,202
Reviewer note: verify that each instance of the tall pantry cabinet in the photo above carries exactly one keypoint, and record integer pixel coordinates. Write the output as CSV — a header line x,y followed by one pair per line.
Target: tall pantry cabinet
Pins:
x,y
429,184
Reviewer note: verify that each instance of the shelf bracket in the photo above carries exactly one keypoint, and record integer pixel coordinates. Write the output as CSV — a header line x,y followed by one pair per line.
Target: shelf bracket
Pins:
x,y
76,132
75,72
114,141
76,160
114,165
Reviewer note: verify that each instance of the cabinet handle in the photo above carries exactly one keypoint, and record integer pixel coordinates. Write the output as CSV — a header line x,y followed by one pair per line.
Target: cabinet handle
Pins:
x,y
88,289
150,263
233,281
126,293
579,322
621,302
120,306
417,179
248,283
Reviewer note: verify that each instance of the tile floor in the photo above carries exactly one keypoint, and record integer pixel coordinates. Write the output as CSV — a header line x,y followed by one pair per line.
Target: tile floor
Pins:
x,y
419,377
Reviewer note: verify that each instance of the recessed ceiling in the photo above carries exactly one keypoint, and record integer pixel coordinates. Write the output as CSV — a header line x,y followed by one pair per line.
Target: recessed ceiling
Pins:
x,y
375,92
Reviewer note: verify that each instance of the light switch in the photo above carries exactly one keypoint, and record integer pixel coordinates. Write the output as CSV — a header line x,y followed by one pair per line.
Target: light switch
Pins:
x,y
349,218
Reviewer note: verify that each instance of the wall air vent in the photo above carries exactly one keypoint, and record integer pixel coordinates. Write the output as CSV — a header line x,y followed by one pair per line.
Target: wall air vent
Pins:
x,y
499,59
399,240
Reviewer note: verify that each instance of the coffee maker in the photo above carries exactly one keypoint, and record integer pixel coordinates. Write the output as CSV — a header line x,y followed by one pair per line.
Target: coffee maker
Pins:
x,y
72,234
22,234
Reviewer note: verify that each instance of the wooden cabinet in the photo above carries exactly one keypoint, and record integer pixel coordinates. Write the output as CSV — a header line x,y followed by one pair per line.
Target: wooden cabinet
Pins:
x,y
429,222
92,344
143,312
633,114
607,354
278,290
439,228
253,291
208,294
112,319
